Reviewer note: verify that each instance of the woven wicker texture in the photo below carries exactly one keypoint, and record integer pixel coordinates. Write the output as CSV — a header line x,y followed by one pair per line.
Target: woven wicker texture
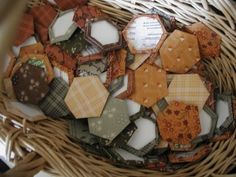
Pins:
x,y
49,138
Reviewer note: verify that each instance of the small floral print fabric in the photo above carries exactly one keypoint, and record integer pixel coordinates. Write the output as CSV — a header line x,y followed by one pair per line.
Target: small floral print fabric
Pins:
x,y
30,84
179,123
55,53
209,41
84,13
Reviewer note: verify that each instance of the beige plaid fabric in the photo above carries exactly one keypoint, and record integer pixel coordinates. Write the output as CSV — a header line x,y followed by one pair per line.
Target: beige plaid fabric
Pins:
x,y
138,60
86,97
188,88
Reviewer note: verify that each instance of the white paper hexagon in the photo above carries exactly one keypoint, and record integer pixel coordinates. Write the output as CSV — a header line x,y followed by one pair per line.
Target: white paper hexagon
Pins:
x,y
104,32
62,27
145,133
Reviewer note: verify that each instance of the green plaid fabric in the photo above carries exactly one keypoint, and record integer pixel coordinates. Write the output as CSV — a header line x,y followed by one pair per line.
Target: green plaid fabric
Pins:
x,y
53,104
79,130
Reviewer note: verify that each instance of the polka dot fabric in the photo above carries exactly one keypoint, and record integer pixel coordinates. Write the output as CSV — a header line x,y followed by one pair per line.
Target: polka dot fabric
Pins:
x,y
112,121
30,84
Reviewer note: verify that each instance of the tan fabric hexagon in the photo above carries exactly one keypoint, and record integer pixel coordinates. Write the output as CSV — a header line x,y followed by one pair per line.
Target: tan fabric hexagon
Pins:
x,y
188,88
150,85
86,97
179,52
209,41
179,123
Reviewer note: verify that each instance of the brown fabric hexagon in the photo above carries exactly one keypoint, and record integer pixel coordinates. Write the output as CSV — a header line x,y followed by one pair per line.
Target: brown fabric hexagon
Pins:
x,y
209,41
57,54
25,30
30,84
39,60
179,52
84,13
179,123
32,49
43,17
150,85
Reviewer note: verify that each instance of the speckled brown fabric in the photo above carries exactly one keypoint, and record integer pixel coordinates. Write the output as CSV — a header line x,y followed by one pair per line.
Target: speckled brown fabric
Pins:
x,y
30,84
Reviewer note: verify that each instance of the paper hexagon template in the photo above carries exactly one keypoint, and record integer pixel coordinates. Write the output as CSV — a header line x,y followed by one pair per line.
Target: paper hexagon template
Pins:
x,y
113,120
188,88
179,123
62,27
179,52
86,97
104,34
149,89
144,34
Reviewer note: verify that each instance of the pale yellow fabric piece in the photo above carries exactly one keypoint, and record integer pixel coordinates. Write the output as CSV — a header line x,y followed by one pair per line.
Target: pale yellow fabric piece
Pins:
x,y
138,60
86,97
188,88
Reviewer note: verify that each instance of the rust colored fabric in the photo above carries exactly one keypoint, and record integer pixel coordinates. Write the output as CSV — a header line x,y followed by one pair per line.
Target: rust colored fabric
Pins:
x,y
119,64
85,13
130,89
32,49
179,123
42,32
209,41
61,57
192,156
43,16
25,30
70,4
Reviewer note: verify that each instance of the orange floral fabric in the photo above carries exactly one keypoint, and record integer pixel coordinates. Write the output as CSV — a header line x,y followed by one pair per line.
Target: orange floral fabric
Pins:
x,y
179,123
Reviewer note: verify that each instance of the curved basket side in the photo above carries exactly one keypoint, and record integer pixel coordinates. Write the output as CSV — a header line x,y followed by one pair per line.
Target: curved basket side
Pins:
x,y
49,138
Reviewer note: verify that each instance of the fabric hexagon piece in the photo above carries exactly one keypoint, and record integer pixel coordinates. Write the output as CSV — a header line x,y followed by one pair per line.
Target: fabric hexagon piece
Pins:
x,y
150,85
108,41
144,34
84,13
30,84
179,52
86,97
26,29
112,121
53,104
209,41
189,89
62,27
179,123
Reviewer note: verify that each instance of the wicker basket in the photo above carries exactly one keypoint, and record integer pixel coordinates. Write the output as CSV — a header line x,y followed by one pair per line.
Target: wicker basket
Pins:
x,y
49,138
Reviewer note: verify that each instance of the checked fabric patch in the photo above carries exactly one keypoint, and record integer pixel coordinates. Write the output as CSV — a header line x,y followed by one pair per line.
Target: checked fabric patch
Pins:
x,y
53,104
